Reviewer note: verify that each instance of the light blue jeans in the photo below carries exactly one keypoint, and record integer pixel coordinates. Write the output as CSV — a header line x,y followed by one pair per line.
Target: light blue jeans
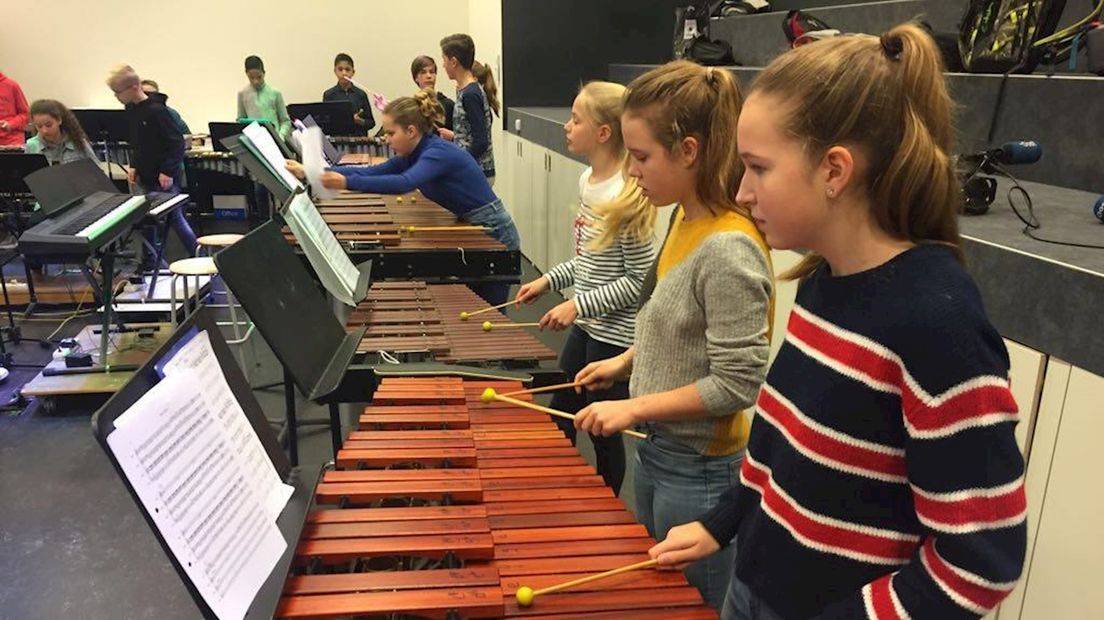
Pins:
x,y
676,485
742,604
501,227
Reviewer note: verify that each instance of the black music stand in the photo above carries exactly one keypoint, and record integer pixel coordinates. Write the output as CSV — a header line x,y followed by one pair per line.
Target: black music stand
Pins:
x,y
334,117
291,520
14,167
257,168
108,127
293,316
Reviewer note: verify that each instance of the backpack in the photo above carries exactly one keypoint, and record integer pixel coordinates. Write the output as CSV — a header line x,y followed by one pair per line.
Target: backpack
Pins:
x,y
998,36
711,52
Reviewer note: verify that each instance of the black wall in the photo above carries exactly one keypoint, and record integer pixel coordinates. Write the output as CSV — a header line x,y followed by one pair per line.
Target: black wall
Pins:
x,y
549,47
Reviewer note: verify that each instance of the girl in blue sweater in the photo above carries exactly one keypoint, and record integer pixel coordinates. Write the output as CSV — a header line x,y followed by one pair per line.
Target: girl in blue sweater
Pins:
x,y
882,477
442,171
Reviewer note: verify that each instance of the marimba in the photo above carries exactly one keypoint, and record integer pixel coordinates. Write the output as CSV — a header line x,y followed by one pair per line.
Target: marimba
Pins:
x,y
458,503
376,227
405,317
360,145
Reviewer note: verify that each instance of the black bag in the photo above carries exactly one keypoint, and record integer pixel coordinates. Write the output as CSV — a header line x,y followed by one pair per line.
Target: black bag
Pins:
x,y
711,52
996,36
691,22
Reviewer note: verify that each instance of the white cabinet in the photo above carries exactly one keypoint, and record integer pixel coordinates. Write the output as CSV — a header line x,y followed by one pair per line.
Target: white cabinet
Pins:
x,y
1026,370
785,291
1067,550
563,206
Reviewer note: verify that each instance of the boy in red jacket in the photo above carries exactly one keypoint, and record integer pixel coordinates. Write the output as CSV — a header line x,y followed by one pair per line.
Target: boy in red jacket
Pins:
x,y
13,112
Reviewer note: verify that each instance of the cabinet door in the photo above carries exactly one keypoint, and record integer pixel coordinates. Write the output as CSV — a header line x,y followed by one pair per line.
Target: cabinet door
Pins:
x,y
1063,579
521,151
785,291
535,247
563,206
1026,368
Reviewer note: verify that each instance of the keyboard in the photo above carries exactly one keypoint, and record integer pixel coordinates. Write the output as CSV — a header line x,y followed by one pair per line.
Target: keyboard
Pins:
x,y
83,228
162,203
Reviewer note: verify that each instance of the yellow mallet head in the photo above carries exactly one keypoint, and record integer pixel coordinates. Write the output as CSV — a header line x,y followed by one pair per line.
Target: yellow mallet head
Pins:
x,y
464,316
399,200
487,326
488,395
524,596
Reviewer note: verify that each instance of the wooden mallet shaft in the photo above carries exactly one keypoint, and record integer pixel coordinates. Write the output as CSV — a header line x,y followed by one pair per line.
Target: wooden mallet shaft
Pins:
x,y
411,229
465,315
554,412
547,388
525,594
488,326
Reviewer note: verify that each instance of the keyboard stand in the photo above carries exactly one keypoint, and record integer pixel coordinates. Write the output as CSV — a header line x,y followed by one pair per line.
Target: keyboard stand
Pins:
x,y
159,253
104,293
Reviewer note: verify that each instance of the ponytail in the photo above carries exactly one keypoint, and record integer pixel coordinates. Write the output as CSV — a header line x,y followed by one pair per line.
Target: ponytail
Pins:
x,y
486,80
421,111
886,95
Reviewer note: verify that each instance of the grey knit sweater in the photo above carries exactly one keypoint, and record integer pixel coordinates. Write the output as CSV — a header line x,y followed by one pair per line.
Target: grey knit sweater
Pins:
x,y
707,324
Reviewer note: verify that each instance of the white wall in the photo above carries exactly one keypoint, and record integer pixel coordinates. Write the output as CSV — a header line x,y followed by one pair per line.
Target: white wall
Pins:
x,y
62,49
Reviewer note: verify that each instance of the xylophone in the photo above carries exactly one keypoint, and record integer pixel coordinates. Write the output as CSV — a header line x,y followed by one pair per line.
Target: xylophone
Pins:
x,y
376,227
415,316
442,507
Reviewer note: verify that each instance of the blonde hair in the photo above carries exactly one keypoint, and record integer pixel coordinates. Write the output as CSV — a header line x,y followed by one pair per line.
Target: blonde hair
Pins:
x,y
630,213
682,99
486,80
423,111
122,76
887,96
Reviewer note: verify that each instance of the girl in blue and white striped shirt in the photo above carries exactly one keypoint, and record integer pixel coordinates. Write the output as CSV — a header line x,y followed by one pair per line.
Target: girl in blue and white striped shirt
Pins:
x,y
613,251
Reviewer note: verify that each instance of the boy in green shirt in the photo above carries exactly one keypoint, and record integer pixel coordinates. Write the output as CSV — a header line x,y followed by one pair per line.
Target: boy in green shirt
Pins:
x,y
259,101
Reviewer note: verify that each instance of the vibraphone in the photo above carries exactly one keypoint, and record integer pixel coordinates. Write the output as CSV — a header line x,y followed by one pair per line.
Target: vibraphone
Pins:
x,y
375,227
415,316
360,145
458,504
215,161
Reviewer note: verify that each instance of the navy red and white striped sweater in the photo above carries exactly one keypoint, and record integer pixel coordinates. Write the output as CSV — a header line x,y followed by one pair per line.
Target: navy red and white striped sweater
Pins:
x,y
882,478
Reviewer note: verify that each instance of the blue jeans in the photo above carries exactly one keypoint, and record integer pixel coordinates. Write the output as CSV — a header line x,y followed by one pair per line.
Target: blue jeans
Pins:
x,y
177,221
742,604
501,227
676,485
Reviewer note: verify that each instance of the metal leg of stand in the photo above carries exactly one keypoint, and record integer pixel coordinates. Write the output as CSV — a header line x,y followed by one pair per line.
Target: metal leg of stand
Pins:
x,y
160,252
292,425
335,428
106,266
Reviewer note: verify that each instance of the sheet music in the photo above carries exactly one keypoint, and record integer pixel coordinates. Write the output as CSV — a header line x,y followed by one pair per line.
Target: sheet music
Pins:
x,y
314,162
262,141
338,273
185,472
258,470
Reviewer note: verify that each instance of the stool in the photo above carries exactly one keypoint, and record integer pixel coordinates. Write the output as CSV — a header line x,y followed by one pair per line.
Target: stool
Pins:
x,y
213,243
205,266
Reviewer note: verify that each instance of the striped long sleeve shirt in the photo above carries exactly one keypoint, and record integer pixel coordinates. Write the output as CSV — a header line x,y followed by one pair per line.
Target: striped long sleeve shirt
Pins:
x,y
882,478
607,283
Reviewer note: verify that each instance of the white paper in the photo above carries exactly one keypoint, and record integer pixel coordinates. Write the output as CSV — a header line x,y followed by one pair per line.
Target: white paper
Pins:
x,y
259,472
334,267
185,473
262,140
314,164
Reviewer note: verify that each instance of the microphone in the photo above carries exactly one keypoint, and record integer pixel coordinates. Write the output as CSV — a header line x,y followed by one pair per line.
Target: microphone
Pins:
x,y
1098,208
1016,153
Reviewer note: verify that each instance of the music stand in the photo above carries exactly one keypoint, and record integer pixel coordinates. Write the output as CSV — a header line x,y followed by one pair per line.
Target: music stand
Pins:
x,y
14,167
291,519
328,150
294,318
334,117
257,168
106,127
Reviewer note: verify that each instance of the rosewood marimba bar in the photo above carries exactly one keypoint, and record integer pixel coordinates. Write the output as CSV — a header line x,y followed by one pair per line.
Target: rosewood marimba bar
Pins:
x,y
485,498
415,316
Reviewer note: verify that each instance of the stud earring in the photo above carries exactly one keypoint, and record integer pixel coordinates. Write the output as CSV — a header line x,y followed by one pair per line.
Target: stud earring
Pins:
x,y
831,193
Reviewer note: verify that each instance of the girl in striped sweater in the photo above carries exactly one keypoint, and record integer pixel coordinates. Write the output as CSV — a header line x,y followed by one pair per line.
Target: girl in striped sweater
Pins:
x,y
882,478
613,250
